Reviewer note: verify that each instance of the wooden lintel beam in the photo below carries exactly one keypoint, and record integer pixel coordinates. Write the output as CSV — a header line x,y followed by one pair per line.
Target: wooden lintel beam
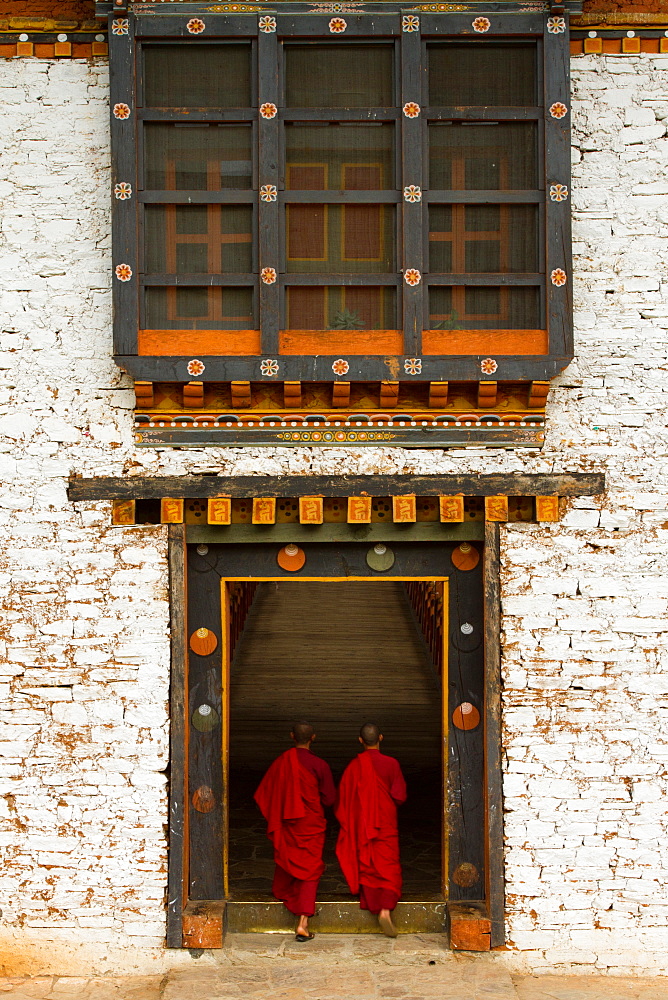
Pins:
x,y
566,484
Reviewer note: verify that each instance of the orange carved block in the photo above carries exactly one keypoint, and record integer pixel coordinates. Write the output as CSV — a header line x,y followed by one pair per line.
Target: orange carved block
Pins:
x,y
219,510
171,511
311,510
123,512
547,508
496,508
404,509
264,510
359,510
451,508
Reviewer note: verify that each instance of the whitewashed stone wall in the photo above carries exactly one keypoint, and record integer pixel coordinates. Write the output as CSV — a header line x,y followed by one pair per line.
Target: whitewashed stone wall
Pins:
x,y
84,615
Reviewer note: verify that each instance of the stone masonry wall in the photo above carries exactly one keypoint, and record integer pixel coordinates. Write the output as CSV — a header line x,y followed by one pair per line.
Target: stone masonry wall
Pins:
x,y
84,650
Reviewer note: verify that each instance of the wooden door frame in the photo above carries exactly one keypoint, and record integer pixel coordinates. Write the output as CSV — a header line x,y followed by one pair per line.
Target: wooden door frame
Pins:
x,y
178,819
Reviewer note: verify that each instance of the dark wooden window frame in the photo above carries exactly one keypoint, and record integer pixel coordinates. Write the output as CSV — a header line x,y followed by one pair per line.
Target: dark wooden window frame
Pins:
x,y
374,27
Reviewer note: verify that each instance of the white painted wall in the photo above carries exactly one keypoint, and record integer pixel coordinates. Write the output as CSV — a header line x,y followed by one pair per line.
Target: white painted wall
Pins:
x,y
84,616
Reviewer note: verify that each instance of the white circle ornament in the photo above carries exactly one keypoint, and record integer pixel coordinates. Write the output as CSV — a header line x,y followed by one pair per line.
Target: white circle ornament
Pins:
x,y
488,366
412,276
196,367
340,367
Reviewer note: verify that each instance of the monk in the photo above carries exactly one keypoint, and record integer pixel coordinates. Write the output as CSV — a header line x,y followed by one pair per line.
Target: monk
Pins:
x,y
292,797
371,788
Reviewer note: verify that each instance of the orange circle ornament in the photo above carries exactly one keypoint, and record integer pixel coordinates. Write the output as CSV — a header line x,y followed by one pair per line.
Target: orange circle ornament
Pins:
x,y
466,716
204,801
291,558
465,556
203,641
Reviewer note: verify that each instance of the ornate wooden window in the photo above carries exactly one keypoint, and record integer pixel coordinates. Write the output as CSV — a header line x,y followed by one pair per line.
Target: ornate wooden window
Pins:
x,y
369,207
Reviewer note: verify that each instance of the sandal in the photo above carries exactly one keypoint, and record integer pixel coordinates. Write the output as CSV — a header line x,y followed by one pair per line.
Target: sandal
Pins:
x,y
304,937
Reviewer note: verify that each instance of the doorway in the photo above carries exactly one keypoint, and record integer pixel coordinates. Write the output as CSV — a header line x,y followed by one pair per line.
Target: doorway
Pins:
x,y
337,654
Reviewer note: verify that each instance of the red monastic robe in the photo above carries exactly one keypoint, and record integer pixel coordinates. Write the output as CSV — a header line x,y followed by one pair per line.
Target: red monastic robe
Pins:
x,y
368,843
289,799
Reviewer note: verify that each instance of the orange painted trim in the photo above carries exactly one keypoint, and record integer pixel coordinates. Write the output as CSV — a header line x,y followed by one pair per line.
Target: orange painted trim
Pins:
x,y
615,46
54,50
494,342
350,342
194,342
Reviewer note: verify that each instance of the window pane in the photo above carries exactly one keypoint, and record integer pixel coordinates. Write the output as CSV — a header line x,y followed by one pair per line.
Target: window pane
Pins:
x,y
341,308
491,74
338,157
340,239
197,76
339,76
493,157
484,308
199,309
467,239
185,157
198,239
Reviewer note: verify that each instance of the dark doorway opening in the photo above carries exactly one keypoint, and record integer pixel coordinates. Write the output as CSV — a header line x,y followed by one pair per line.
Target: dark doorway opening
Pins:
x,y
339,654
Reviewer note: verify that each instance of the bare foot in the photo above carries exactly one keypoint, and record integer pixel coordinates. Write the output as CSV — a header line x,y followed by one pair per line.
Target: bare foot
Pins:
x,y
386,925
302,927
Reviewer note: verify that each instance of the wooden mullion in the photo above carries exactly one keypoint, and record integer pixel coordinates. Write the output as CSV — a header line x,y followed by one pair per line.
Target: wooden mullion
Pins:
x,y
177,879
268,212
124,213
495,891
558,213
412,174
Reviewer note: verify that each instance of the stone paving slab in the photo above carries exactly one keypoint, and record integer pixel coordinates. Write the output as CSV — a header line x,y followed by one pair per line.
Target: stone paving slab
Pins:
x,y
337,967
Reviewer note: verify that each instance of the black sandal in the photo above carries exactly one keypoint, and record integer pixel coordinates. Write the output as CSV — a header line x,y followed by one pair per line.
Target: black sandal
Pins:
x,y
304,937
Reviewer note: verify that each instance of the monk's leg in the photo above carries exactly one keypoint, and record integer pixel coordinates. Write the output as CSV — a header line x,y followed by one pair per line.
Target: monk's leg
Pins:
x,y
297,895
380,902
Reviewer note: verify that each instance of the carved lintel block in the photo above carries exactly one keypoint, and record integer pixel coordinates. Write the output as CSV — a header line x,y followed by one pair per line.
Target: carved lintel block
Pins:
x,y
547,508
538,394
311,510
171,511
341,394
144,394
219,510
292,394
496,508
193,394
451,508
241,394
264,510
487,393
438,394
123,512
389,394
359,510
404,509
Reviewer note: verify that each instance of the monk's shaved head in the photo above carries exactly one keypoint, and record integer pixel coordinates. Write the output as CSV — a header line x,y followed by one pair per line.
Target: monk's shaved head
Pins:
x,y
370,733
303,732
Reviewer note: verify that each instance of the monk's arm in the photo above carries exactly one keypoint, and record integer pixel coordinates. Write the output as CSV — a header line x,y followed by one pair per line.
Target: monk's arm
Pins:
x,y
398,787
327,788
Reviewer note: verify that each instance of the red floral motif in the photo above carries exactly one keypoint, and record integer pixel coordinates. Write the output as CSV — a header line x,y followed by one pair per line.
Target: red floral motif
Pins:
x,y
123,191
340,367
268,110
195,26
556,25
268,275
481,24
558,192
121,111
412,193
410,23
269,367
337,25
123,272
120,26
267,24
195,367
412,276
488,366
413,366
411,109
558,277
268,192
558,110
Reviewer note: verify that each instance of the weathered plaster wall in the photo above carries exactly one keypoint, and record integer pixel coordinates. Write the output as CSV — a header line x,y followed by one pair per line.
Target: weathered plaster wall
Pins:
x,y
84,642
